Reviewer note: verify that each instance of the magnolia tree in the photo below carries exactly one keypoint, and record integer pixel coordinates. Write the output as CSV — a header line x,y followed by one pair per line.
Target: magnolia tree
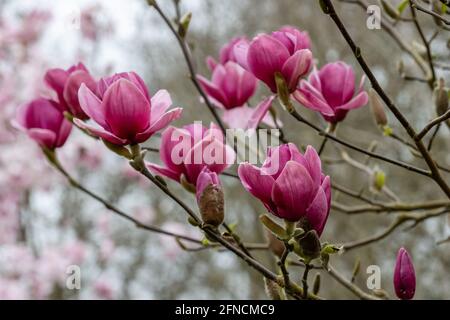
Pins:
x,y
247,142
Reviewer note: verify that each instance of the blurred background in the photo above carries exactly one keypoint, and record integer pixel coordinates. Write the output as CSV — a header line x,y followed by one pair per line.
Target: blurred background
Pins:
x,y
45,226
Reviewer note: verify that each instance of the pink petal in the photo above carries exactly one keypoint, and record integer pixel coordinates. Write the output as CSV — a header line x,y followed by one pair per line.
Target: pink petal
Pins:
x,y
101,133
314,164
266,56
175,140
156,169
160,102
256,182
317,212
260,112
237,118
91,105
74,81
308,98
64,132
292,191
127,110
44,137
240,51
277,157
213,92
161,123
358,101
296,67
338,83
56,79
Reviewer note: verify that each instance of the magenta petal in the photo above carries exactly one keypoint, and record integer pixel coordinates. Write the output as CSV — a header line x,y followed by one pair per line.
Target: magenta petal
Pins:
x,y
338,83
206,178
44,137
317,212
266,56
358,101
314,164
161,123
292,191
166,119
156,169
257,183
296,67
74,81
63,134
260,112
160,102
91,105
237,118
127,110
277,157
311,99
213,91
56,79
101,133
240,51
175,144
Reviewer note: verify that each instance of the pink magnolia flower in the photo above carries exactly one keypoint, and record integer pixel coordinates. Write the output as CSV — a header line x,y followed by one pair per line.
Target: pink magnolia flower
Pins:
x,y
124,110
231,85
291,185
44,122
187,151
230,88
227,53
331,91
285,51
66,84
404,276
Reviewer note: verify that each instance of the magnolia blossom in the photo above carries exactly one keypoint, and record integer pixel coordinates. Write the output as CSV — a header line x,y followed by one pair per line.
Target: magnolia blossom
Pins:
x,y
404,276
230,89
124,110
331,91
291,185
186,151
44,122
227,53
284,52
66,84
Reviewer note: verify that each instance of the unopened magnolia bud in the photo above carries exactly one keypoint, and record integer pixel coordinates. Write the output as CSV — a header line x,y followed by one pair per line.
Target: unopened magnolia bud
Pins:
x,y
377,108
273,290
404,276
310,245
276,246
210,198
316,283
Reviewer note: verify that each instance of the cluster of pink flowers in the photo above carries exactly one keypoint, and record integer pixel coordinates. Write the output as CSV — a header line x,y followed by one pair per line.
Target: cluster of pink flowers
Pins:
x,y
286,53
120,110
126,114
